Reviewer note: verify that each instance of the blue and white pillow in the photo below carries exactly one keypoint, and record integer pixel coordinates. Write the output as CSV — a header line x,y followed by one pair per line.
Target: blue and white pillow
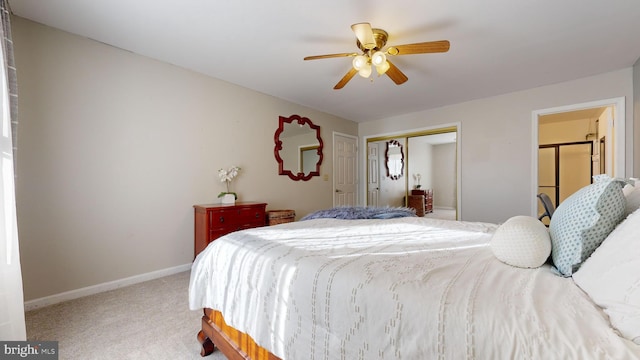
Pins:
x,y
582,222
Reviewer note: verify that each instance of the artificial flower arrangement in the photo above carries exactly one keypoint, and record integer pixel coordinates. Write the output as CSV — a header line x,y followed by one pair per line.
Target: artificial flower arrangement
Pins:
x,y
226,176
417,177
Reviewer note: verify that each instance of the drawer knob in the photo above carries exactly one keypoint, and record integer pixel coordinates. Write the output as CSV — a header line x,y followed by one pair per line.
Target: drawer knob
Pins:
x,y
221,219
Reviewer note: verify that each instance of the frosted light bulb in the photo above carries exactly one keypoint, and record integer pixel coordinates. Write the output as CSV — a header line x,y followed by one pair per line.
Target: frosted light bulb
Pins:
x,y
378,58
359,62
381,69
365,71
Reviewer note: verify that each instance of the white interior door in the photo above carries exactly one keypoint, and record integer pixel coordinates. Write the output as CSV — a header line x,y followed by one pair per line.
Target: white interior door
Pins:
x,y
373,174
345,179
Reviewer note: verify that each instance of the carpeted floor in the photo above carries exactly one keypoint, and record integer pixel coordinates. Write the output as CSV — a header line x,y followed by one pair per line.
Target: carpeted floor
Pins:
x,y
150,320
439,213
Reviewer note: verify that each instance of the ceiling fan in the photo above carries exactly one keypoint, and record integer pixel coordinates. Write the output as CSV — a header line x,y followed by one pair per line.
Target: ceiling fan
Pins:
x,y
371,42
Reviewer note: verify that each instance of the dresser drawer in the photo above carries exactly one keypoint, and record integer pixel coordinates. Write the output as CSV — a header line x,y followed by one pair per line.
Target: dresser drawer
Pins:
x,y
215,220
239,216
215,233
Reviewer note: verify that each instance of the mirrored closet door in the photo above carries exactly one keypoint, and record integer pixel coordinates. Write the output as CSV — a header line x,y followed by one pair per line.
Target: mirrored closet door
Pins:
x,y
418,170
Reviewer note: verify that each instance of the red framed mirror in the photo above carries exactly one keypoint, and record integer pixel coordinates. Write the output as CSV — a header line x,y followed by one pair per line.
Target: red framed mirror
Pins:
x,y
298,148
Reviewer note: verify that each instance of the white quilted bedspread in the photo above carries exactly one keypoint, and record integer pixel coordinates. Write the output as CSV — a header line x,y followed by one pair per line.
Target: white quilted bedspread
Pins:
x,y
409,288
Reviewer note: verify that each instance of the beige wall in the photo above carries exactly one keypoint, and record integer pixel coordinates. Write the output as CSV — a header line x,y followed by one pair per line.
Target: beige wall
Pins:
x,y
420,161
115,148
495,138
444,176
565,131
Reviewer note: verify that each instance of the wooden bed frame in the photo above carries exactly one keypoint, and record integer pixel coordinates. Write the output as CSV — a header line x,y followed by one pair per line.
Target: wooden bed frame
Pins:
x,y
234,344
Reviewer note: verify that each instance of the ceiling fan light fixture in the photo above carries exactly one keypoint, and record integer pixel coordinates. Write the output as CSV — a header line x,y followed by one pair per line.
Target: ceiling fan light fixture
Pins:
x,y
381,69
378,58
371,42
365,71
360,62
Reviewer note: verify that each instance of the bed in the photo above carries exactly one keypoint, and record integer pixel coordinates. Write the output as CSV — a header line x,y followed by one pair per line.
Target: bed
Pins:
x,y
409,288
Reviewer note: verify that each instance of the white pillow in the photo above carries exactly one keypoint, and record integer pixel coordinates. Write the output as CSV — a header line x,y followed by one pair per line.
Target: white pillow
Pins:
x,y
632,196
522,241
611,277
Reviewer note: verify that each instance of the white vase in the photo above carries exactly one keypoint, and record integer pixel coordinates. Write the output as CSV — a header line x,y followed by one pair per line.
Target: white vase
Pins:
x,y
228,199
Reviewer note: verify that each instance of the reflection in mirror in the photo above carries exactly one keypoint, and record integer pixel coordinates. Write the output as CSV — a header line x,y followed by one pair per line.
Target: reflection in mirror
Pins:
x,y
430,168
298,149
394,159
308,158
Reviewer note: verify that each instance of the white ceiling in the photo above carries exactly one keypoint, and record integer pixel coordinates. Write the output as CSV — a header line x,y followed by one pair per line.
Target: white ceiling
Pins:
x,y
497,46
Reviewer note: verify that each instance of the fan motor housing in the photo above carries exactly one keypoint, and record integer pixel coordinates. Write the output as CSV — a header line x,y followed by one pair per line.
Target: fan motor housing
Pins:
x,y
380,36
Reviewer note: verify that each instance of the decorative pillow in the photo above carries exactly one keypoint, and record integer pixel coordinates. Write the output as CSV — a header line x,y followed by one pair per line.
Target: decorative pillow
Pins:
x,y
611,277
629,187
583,221
522,241
632,196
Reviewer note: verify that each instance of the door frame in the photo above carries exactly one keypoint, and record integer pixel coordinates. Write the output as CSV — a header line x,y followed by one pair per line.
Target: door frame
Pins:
x,y
414,132
619,167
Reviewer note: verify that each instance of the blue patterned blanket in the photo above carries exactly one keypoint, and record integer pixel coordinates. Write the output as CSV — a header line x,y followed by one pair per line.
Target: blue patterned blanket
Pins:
x,y
362,212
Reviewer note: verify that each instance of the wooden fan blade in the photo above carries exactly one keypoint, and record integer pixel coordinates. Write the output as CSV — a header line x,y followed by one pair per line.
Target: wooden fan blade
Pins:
x,y
419,48
395,74
345,79
364,33
327,56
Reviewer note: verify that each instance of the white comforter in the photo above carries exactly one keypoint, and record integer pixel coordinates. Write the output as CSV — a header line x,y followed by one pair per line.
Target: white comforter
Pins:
x,y
409,288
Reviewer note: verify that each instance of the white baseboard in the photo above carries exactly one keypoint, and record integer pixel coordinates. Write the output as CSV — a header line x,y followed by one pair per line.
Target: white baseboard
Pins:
x,y
111,285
